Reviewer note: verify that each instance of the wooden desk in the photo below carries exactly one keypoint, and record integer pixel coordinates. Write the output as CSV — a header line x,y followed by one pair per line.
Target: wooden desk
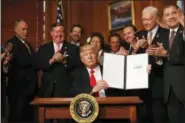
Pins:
x,y
110,108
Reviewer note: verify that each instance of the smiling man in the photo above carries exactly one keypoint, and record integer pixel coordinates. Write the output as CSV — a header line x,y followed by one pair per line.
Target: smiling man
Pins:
x,y
76,34
152,34
174,72
88,79
173,51
56,59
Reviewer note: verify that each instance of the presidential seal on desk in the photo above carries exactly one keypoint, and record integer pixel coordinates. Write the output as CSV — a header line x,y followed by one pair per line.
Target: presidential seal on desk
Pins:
x,y
84,108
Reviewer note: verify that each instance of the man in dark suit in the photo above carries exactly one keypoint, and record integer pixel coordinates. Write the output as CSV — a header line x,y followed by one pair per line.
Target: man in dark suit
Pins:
x,y
173,51
57,59
82,77
88,78
152,34
22,77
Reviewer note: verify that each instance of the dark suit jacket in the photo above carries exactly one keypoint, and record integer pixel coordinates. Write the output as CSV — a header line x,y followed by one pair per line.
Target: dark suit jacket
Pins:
x,y
156,84
3,87
174,66
55,79
81,84
22,74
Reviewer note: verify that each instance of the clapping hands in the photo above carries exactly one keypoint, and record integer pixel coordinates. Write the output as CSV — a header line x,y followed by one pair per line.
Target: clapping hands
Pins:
x,y
58,58
180,16
123,51
156,51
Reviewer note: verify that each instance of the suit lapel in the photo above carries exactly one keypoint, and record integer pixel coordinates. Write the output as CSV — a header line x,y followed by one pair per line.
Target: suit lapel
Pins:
x,y
19,42
64,48
145,34
179,31
177,41
52,48
86,78
166,40
156,37
31,48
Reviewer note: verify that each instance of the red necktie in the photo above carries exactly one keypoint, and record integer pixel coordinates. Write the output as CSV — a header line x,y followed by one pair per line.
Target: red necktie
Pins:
x,y
93,81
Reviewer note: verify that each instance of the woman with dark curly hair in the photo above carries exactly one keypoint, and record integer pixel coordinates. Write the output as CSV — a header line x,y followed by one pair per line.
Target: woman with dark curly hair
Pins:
x,y
97,40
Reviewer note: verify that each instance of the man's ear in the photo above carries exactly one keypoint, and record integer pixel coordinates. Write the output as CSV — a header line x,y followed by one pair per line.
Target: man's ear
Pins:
x,y
51,33
16,29
82,60
70,34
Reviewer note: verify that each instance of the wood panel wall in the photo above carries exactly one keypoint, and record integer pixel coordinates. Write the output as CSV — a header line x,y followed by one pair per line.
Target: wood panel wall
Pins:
x,y
93,14
29,10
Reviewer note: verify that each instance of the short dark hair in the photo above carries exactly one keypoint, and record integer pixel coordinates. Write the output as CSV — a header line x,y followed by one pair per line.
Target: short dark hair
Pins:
x,y
77,25
170,5
100,36
114,35
55,25
130,25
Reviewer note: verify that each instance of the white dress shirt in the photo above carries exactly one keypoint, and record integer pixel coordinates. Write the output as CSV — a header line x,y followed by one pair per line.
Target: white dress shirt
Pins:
x,y
98,76
75,43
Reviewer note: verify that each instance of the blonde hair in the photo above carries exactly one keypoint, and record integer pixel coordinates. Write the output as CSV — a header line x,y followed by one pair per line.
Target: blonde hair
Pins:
x,y
86,47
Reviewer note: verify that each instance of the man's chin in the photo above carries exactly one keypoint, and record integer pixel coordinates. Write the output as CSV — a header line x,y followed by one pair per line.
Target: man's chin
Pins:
x,y
76,39
91,65
59,41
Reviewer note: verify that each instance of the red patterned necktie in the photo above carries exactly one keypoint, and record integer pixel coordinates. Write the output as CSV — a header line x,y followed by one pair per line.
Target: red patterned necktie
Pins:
x,y
93,81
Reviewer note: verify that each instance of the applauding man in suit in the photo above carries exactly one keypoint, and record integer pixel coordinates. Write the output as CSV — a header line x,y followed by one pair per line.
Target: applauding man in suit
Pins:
x,y
56,59
173,51
153,98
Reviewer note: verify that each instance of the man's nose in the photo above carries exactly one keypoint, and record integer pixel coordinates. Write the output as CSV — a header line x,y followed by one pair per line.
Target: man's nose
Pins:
x,y
89,56
171,16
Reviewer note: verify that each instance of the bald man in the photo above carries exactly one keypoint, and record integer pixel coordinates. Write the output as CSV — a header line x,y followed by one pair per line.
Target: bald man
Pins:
x,y
22,77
